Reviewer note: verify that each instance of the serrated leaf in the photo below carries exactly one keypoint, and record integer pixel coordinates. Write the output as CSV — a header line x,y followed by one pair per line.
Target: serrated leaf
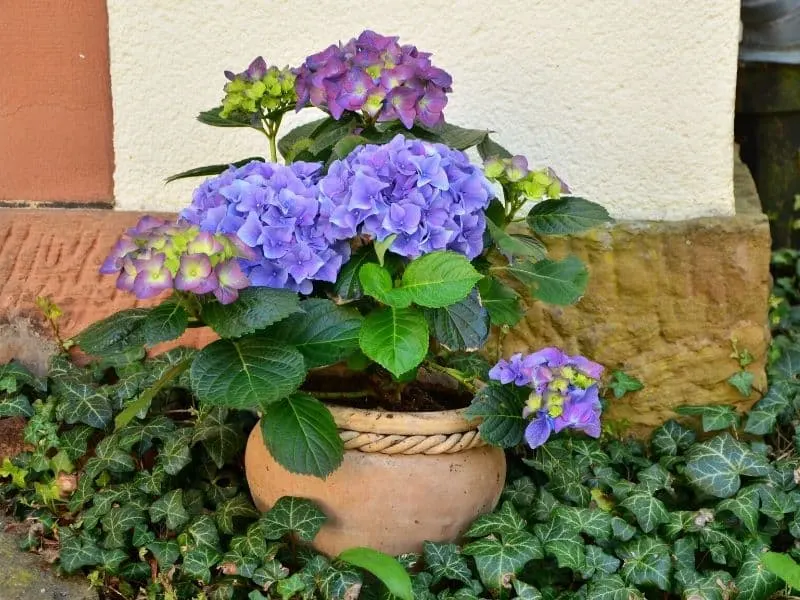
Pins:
x,y
256,308
498,561
714,466
238,507
566,215
120,329
386,568
502,303
501,408
559,282
324,332
754,581
713,417
292,515
302,436
460,326
562,541
300,132
646,562
165,322
439,279
444,561
376,281
246,373
170,509
515,245
504,521
671,438
762,418
395,338
83,403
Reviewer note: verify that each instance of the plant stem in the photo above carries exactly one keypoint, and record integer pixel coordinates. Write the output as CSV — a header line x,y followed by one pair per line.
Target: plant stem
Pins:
x,y
457,375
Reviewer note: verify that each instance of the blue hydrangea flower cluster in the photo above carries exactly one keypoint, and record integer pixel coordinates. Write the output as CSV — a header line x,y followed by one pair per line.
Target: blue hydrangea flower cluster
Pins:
x,y
564,392
156,256
428,195
377,76
274,209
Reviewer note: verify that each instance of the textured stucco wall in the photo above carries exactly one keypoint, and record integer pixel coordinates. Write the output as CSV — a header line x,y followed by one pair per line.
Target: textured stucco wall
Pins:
x,y
630,101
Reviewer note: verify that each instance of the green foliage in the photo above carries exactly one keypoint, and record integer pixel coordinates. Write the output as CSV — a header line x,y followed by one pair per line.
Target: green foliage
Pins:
x,y
621,383
566,215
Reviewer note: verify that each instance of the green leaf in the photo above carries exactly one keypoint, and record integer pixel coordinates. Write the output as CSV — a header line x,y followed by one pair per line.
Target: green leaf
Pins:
x,y
558,282
762,418
754,581
395,338
501,408
165,322
671,438
110,457
775,503
252,543
221,439
76,552
715,465
439,279
597,560
14,375
144,432
84,403
516,245
270,572
166,552
120,329
621,529
118,522
142,536
645,562
562,541
292,515
649,511
460,326
204,531
197,563
622,383
521,492
743,382
324,332
787,367
16,406
328,134
246,373
612,587
444,561
499,561
526,591
457,137
255,309
209,170
75,441
212,117
302,436
567,215
381,247
176,453
170,509
238,507
340,584
783,566
590,521
488,148
745,506
348,285
501,301
347,144
288,141
376,281
390,572
504,521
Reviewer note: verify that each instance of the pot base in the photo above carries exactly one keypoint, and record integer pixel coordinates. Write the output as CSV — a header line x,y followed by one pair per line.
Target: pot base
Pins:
x,y
392,503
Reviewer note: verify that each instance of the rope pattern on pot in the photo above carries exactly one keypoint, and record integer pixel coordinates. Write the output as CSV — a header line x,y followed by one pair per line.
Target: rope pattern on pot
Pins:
x,y
410,444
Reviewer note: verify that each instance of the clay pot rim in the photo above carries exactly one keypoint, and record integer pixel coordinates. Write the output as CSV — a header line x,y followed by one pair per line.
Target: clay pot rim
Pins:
x,y
402,423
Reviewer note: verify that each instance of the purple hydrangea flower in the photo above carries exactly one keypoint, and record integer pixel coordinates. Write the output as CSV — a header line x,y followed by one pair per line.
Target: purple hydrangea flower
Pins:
x,y
428,195
564,392
275,212
156,256
374,74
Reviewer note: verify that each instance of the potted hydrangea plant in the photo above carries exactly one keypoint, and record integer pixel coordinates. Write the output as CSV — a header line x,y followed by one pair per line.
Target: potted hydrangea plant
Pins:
x,y
351,287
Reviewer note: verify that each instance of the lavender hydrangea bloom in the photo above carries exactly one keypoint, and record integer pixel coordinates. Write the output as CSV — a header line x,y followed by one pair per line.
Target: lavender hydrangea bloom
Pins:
x,y
428,195
564,392
376,75
275,211
156,256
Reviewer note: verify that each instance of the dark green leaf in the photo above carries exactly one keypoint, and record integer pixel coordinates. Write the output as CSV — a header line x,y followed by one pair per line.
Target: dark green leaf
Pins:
x,y
118,522
176,453
301,132
210,170
75,441
503,521
558,282
499,561
255,309
646,562
292,515
246,373
165,322
501,408
590,521
754,581
459,138
521,492
612,587
120,329
397,339
170,509
745,506
562,541
488,148
460,326
84,403
444,561
302,436
597,560
15,406
348,285
238,507
212,117
15,375
567,215
671,438
715,466
649,511
197,563
763,416
76,552
501,301
516,245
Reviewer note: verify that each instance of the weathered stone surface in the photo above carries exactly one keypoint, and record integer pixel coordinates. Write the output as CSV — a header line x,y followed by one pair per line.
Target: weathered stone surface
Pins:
x,y
664,303
26,576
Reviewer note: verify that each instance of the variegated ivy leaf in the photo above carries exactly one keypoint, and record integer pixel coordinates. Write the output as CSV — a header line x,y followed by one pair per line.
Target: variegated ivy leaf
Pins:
x,y
142,536
197,563
222,440
293,585
588,454
170,509
238,507
118,522
671,438
612,587
521,492
649,511
593,522
14,375
295,515
16,406
339,584
144,432
745,505
562,541
112,559
714,417
498,560
76,552
597,560
544,505
235,563
75,441
621,529
775,503
204,531
444,561
761,419
753,580
717,538
268,573
253,543
166,552
525,591
504,521
152,481
655,478
646,562
716,585
714,466
176,452
84,403
109,457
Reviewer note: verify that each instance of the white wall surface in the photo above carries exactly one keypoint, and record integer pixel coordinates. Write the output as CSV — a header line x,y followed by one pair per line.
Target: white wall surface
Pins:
x,y
630,101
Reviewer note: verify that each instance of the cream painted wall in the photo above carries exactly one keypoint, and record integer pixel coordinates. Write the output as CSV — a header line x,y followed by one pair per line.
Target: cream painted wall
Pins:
x,y
631,101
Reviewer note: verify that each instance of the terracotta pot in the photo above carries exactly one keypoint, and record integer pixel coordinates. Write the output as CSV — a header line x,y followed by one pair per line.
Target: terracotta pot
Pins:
x,y
391,502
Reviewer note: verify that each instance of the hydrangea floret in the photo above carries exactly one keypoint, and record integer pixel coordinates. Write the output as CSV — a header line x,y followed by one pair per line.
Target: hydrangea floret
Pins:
x,y
564,392
376,76
257,90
